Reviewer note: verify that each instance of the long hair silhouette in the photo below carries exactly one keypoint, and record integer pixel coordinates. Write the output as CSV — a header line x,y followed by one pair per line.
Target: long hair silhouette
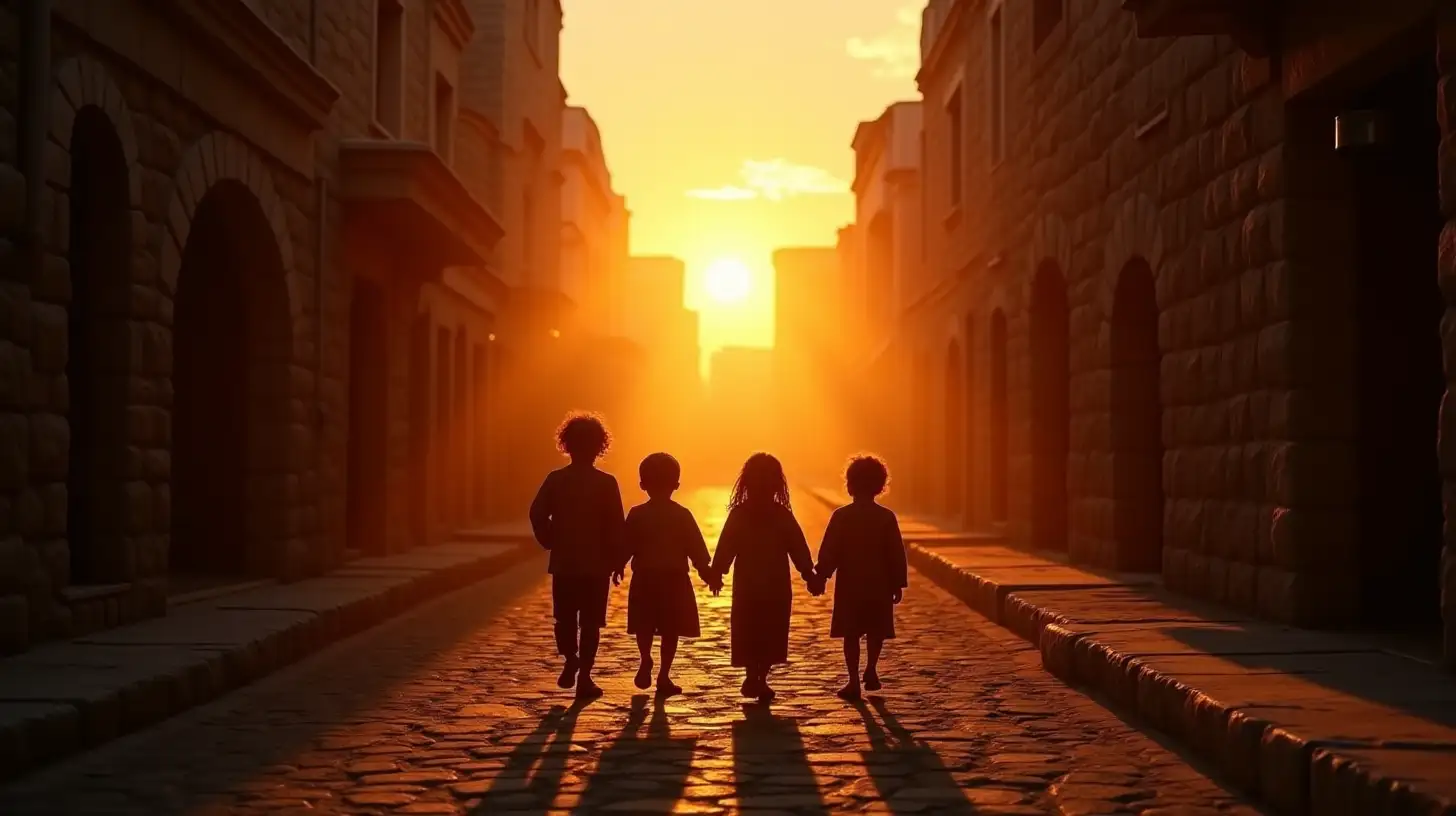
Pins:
x,y
762,479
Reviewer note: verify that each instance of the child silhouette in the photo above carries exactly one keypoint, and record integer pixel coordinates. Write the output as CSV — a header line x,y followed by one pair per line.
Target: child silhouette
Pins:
x,y
863,545
762,537
661,538
577,516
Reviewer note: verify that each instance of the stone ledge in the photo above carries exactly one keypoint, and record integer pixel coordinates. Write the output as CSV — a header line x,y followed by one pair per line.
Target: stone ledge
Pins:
x,y
1307,721
62,698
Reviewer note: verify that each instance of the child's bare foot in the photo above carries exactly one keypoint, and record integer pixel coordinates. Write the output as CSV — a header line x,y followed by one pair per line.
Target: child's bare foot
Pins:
x,y
587,690
667,688
871,680
750,687
568,673
644,675
850,692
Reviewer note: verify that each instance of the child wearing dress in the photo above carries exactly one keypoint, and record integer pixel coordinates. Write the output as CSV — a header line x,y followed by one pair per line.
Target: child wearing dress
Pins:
x,y
661,539
862,544
577,516
762,538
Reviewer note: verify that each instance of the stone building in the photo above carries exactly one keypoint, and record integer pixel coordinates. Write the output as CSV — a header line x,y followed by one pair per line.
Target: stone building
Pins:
x,y
214,367
814,410
888,241
655,318
511,104
1189,264
593,259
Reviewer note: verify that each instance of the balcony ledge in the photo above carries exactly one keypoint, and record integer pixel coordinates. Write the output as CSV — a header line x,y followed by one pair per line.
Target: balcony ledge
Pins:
x,y
1248,22
405,192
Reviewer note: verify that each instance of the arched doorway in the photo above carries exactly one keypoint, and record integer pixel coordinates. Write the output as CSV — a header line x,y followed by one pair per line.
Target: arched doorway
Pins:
x,y
1137,422
1000,421
464,434
420,428
368,418
443,505
480,385
100,254
1050,407
955,431
232,346
1400,380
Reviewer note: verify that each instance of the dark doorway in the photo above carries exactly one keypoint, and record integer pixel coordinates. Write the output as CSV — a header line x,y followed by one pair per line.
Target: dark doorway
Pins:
x,y
1400,378
97,333
232,343
1000,421
969,480
481,449
1137,422
1051,410
368,418
420,428
955,431
442,497
460,458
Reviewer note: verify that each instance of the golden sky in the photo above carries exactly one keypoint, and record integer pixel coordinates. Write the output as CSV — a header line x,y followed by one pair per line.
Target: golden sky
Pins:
x,y
727,125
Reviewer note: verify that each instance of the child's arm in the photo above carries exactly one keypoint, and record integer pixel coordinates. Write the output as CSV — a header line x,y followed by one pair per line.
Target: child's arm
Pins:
x,y
541,514
616,525
830,547
798,548
727,544
898,565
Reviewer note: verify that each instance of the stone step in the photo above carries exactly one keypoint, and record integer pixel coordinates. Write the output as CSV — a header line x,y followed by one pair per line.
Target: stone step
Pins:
x,y
65,697
1309,722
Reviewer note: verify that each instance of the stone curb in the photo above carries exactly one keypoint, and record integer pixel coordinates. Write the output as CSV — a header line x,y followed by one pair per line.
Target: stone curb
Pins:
x,y
37,733
1292,774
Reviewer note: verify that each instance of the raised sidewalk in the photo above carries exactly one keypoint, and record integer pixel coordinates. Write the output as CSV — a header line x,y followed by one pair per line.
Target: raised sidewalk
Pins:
x,y
1310,722
64,697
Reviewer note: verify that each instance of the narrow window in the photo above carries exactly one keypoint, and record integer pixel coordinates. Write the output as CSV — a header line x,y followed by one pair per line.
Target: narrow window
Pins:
x,y
389,64
998,88
957,173
1045,15
444,118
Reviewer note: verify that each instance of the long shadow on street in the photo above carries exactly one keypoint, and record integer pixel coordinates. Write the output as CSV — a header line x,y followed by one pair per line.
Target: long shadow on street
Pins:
x,y
910,776
641,773
534,769
770,768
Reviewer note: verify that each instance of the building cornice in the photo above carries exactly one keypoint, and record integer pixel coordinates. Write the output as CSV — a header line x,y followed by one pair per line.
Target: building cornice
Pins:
x,y
455,19
949,32
234,31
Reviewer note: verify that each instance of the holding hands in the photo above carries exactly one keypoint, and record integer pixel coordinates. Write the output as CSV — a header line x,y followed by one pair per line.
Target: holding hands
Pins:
x,y
713,580
897,596
815,582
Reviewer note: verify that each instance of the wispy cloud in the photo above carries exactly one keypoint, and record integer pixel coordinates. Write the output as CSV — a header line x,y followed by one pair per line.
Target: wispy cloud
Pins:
x,y
896,53
775,180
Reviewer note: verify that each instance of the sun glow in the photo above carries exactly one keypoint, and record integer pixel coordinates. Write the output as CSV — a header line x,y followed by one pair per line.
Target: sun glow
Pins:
x,y
728,281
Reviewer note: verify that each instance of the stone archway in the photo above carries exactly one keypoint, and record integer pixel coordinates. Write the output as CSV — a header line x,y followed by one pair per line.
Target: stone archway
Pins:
x,y
955,431
232,451
98,338
1000,420
420,427
1051,417
460,459
1137,425
969,479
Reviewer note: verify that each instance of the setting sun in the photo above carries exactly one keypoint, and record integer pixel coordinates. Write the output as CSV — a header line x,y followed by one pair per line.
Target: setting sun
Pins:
x,y
728,280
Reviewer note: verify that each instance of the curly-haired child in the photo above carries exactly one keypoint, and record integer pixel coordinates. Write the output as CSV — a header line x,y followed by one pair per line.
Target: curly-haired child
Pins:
x,y
863,545
577,516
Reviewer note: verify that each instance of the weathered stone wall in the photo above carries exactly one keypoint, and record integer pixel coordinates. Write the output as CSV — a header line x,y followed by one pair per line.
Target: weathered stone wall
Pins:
x,y
1119,148
1190,156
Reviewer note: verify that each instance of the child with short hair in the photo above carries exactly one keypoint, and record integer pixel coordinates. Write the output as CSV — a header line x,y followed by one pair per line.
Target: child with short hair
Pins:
x,y
661,539
577,516
863,545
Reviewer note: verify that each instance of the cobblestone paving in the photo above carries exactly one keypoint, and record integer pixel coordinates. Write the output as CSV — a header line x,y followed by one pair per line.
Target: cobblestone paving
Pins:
x,y
454,709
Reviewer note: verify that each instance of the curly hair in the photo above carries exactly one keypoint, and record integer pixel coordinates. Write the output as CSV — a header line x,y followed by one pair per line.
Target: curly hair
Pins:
x,y
583,435
866,475
659,471
762,479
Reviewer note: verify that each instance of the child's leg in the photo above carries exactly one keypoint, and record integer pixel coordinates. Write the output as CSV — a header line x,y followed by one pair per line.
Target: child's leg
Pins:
x,y
669,651
872,663
644,649
591,637
850,691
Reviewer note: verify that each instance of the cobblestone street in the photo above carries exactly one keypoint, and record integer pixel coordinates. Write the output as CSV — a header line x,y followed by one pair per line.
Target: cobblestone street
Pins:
x,y
454,709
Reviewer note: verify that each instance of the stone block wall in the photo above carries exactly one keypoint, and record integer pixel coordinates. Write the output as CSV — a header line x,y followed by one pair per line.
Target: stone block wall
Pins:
x,y
1214,170
1446,110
